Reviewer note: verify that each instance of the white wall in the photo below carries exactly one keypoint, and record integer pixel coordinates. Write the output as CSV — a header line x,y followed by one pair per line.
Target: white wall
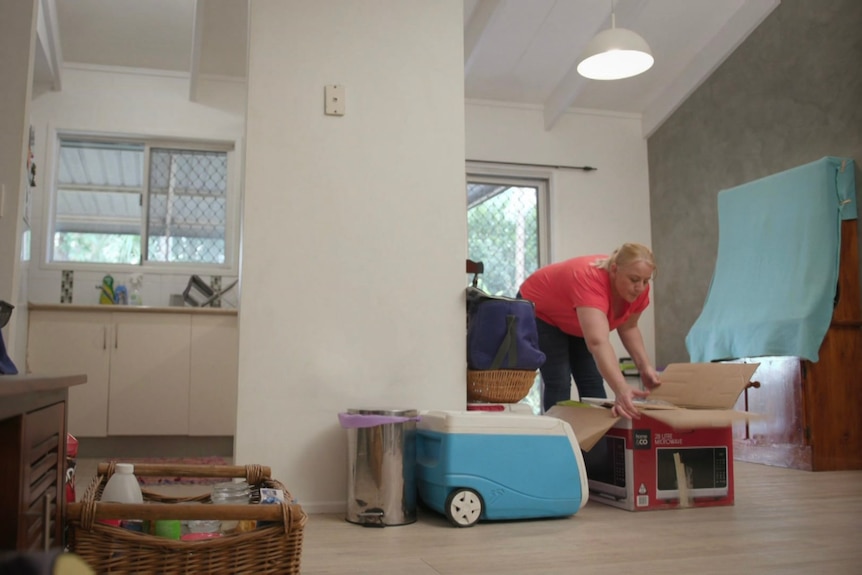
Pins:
x,y
355,229
355,226
590,212
143,103
17,36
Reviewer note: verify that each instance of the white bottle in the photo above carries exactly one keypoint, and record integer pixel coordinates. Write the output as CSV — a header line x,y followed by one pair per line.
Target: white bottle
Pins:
x,y
136,282
135,297
123,486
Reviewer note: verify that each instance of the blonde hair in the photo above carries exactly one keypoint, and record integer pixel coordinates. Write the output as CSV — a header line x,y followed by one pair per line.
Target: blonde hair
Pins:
x,y
627,254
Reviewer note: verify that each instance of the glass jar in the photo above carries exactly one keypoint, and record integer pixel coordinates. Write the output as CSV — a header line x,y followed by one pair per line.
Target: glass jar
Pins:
x,y
237,492
202,526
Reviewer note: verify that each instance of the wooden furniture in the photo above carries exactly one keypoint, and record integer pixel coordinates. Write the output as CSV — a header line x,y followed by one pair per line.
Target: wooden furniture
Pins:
x,y
475,268
152,371
814,409
33,460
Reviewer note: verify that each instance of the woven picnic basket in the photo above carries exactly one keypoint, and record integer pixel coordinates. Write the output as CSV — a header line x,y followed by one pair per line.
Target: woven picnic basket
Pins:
x,y
499,385
273,547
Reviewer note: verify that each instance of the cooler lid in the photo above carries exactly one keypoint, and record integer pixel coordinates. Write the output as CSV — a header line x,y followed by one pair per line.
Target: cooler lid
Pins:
x,y
384,411
491,422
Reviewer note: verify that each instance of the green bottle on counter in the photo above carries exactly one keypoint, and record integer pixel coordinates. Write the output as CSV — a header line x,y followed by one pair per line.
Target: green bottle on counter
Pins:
x,y
106,290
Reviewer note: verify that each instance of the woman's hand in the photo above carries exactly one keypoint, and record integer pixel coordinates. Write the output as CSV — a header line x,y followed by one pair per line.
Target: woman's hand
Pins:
x,y
650,378
624,404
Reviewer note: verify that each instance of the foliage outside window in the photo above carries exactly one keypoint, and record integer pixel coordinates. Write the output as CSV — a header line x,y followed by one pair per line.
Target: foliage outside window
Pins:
x,y
128,202
504,231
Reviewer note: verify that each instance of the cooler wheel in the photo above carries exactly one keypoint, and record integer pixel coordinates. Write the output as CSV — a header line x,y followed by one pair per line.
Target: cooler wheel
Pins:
x,y
463,507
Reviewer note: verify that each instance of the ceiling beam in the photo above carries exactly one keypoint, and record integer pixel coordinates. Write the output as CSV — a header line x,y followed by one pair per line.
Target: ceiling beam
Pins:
x,y
48,32
474,31
722,44
197,44
570,86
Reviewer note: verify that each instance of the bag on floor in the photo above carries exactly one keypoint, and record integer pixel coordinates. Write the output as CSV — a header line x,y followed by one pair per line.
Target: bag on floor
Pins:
x,y
501,332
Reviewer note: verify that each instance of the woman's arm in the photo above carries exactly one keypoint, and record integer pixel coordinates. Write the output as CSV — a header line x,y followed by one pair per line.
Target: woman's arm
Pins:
x,y
633,341
594,322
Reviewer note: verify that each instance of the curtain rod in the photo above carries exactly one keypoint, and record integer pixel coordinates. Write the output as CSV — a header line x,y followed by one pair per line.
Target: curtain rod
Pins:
x,y
582,168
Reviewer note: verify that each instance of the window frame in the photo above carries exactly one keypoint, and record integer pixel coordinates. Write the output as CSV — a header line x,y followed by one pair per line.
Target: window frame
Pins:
x,y
233,151
478,172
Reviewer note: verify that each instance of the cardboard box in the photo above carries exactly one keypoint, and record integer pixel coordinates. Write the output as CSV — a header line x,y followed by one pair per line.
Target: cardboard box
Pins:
x,y
679,453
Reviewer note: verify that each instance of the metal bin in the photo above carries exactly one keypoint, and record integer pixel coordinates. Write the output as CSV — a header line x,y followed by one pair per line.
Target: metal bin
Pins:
x,y
381,453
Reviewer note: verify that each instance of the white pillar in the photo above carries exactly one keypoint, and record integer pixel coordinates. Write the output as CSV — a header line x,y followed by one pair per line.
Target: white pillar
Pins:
x,y
17,45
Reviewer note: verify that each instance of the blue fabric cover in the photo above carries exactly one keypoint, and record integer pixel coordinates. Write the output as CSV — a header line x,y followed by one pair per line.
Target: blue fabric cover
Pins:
x,y
774,285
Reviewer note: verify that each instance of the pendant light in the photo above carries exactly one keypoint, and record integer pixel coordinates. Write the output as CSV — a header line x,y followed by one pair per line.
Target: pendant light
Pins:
x,y
615,54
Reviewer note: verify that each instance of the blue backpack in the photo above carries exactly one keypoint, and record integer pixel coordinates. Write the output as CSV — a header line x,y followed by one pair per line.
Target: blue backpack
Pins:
x,y
501,332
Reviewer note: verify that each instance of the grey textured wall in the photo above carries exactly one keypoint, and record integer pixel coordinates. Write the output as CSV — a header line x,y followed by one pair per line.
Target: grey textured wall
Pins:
x,y
789,95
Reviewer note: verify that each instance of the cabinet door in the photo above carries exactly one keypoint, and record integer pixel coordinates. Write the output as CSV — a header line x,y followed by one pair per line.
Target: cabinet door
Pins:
x,y
63,342
33,453
44,477
149,374
213,385
779,438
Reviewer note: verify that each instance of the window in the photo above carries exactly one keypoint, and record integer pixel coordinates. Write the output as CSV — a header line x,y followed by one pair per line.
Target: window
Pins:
x,y
137,201
506,229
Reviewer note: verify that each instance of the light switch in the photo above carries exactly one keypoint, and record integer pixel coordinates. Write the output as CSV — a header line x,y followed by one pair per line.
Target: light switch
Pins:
x,y
334,97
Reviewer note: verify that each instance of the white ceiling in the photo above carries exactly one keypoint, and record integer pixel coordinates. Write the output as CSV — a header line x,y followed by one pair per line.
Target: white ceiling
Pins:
x,y
516,51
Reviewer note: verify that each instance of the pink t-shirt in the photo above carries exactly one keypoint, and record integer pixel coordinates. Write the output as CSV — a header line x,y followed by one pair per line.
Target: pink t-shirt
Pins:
x,y
558,289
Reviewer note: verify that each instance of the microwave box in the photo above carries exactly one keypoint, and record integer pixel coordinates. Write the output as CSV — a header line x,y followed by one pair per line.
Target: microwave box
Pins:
x,y
647,464
679,453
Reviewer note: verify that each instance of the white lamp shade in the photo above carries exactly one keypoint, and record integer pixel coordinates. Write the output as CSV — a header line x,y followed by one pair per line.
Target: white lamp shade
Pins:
x,y
614,54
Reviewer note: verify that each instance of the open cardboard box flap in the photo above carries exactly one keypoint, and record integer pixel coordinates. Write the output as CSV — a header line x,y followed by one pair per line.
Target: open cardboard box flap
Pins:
x,y
703,385
589,422
691,396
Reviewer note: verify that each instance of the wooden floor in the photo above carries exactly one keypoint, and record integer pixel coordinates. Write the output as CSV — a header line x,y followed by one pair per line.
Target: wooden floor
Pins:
x,y
784,522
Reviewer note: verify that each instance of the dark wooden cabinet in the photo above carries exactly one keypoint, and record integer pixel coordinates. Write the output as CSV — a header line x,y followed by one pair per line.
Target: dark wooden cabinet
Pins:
x,y
33,461
813,409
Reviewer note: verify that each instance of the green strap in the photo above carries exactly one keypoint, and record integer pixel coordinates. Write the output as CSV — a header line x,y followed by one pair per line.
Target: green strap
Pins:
x,y
508,345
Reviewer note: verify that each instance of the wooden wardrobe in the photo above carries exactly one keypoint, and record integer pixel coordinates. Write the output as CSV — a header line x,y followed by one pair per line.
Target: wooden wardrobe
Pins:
x,y
813,409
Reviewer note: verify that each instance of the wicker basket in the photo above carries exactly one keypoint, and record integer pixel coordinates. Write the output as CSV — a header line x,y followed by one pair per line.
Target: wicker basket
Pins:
x,y
499,385
273,547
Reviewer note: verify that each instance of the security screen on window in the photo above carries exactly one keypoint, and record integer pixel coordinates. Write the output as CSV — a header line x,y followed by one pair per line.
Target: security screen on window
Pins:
x,y
128,202
504,230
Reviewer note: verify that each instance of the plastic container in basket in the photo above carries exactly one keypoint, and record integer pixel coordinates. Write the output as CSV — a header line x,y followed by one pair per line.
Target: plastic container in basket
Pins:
x,y
273,547
499,385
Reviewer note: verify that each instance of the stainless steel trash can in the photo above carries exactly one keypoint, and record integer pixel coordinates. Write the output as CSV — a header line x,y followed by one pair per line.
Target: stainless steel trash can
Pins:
x,y
381,485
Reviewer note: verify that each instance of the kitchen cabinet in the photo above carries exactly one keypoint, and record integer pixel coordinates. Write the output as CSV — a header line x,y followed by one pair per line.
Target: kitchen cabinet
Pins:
x,y
33,460
154,371
213,375
71,342
149,382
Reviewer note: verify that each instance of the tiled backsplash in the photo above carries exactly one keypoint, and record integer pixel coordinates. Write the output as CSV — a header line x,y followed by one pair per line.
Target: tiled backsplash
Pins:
x,y
82,287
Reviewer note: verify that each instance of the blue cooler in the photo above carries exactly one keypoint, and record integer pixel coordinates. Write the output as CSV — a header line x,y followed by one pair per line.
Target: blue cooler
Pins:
x,y
479,465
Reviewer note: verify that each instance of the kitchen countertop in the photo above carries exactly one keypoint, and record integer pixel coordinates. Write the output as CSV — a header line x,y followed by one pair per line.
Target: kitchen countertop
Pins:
x,y
22,384
131,308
